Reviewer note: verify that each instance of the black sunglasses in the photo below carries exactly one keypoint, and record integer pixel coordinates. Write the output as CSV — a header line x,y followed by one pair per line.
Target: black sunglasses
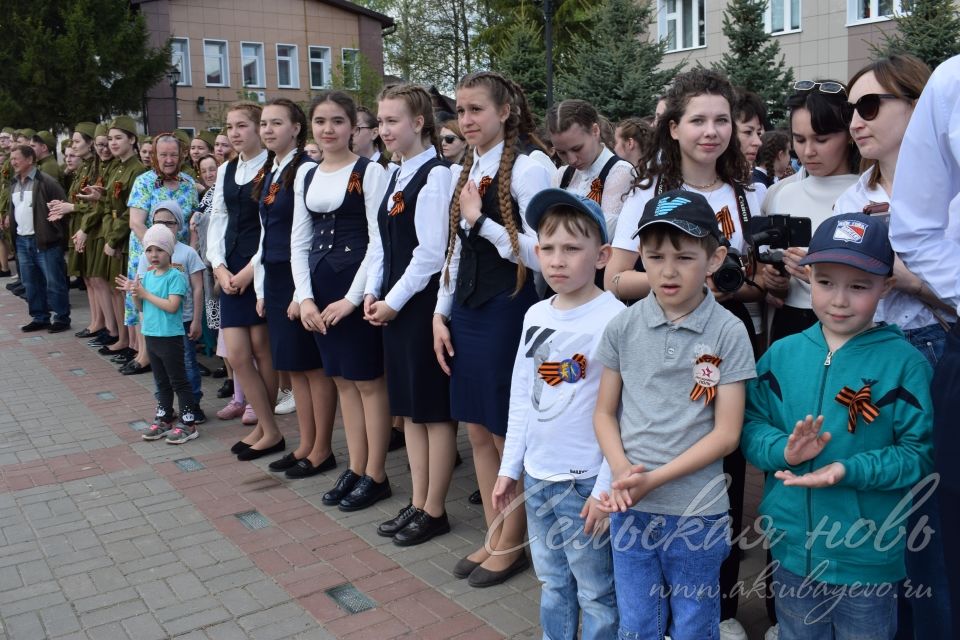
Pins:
x,y
867,106
450,139
167,223
829,88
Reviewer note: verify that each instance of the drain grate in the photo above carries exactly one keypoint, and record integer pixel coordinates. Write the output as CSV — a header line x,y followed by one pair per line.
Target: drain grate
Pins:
x,y
138,425
54,354
350,599
190,464
253,520
106,395
78,372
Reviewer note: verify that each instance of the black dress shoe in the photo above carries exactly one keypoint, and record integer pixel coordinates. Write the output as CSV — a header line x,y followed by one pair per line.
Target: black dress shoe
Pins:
x,y
59,327
342,487
134,368
33,325
365,493
482,578
304,468
283,463
123,356
475,497
20,292
239,446
389,528
219,372
253,454
397,440
103,340
204,370
85,333
5,273
226,389
423,527
12,285
464,568
105,350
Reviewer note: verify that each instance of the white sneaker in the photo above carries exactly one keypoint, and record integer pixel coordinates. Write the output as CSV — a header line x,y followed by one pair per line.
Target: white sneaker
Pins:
x,y
731,629
285,403
773,633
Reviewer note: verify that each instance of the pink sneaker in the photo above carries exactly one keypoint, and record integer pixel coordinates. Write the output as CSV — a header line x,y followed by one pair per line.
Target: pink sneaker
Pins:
x,y
249,417
230,412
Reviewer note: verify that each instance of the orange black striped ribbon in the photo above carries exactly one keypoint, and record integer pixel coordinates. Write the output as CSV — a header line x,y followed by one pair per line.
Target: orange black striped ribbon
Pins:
x,y
397,208
354,186
726,222
117,189
596,190
485,182
257,179
553,373
857,403
708,393
272,193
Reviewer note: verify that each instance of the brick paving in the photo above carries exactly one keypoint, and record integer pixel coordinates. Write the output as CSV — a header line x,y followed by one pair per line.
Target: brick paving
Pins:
x,y
103,535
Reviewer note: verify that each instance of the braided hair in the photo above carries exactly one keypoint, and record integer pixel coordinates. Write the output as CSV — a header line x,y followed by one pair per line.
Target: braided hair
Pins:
x,y
296,116
419,103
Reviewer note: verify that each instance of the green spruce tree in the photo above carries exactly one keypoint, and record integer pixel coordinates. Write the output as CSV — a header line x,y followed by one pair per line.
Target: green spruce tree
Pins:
x,y
524,59
617,68
930,31
754,61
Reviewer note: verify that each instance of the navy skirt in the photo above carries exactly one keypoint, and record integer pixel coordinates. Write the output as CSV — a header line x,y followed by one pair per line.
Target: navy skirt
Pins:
x,y
239,310
353,348
292,347
417,386
485,341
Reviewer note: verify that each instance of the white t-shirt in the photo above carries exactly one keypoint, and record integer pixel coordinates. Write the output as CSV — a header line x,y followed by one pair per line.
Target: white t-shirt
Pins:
x,y
23,207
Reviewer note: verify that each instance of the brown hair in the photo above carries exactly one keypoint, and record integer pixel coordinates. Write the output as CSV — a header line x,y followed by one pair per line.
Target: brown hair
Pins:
x,y
501,92
656,234
900,74
771,144
155,160
567,113
250,109
527,129
638,130
572,220
296,115
371,121
419,103
339,98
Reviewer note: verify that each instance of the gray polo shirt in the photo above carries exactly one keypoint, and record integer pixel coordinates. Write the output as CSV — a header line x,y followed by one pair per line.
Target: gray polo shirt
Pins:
x,y
659,420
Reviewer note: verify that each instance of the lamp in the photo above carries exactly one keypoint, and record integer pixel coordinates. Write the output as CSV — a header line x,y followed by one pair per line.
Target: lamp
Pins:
x,y
173,76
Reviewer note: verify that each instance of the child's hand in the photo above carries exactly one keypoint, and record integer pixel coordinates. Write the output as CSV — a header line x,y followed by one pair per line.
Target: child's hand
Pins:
x,y
242,280
381,313
504,492
195,329
109,251
632,485
595,519
823,477
293,311
368,301
791,261
442,343
806,442
470,202
125,284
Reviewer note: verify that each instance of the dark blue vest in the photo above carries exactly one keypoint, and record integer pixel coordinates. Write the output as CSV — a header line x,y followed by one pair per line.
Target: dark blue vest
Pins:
x,y
243,216
340,237
399,233
483,274
277,217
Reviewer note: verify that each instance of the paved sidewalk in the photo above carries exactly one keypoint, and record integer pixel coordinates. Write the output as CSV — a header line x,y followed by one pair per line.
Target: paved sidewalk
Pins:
x,y
103,535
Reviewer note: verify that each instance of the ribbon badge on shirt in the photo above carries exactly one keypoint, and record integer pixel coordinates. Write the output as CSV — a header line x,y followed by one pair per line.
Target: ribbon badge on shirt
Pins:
x,y
857,403
706,377
272,193
726,222
397,208
485,182
570,370
117,189
354,186
83,185
596,190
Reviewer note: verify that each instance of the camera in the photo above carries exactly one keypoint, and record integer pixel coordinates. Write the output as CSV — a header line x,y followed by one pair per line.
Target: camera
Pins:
x,y
775,233
732,273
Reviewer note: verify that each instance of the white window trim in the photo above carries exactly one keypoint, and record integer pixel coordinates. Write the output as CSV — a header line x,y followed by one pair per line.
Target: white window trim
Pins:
x,y
186,71
294,66
261,66
226,62
768,19
327,61
662,27
853,20
343,66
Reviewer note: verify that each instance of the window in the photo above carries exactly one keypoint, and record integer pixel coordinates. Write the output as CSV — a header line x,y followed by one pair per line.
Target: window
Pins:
x,y
875,10
782,16
350,59
216,65
251,57
682,24
288,67
319,67
180,58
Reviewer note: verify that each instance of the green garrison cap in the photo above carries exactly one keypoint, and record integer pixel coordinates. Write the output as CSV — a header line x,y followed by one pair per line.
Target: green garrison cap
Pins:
x,y
183,137
88,129
48,139
28,133
101,130
64,144
9,130
146,139
208,136
125,123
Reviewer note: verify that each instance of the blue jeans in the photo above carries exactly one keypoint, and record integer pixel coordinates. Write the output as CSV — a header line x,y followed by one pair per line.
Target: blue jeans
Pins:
x,y
662,561
576,569
44,274
930,341
812,610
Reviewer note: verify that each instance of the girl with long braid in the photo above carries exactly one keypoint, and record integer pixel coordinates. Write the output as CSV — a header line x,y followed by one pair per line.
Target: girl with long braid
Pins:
x,y
487,287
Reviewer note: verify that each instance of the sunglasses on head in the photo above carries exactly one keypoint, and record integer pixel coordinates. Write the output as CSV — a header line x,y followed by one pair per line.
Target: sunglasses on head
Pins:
x,y
450,139
867,106
830,88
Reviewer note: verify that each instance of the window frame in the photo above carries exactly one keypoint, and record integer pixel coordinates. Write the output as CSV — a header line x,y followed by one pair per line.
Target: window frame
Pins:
x,y
294,61
260,62
663,18
186,75
853,12
326,61
787,14
224,59
356,67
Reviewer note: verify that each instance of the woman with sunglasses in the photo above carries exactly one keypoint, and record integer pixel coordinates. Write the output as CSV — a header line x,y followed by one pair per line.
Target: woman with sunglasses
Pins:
x,y
882,98
452,143
820,138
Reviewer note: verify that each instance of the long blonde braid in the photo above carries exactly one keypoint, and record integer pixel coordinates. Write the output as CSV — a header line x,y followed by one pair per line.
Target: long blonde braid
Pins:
x,y
455,212
504,175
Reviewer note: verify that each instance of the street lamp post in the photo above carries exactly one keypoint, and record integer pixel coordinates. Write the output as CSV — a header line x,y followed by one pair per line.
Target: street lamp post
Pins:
x,y
173,75
548,41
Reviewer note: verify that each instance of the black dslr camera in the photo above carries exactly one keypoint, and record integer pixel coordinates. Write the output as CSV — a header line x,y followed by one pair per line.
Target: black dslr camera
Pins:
x,y
775,233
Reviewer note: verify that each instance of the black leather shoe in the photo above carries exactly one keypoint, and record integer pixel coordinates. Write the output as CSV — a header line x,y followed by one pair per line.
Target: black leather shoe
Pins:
x,y
343,486
220,372
423,527
204,370
253,454
226,389
482,578
12,285
397,440
105,350
239,446
365,493
103,340
123,356
33,325
59,327
86,333
5,273
389,528
475,497
283,463
304,468
134,368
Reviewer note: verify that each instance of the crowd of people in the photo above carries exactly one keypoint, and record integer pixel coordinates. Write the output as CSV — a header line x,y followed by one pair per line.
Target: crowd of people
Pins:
x,y
622,315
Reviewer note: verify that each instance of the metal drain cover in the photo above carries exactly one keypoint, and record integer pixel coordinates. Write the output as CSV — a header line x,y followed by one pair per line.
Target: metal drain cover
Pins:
x,y
189,464
350,599
106,395
78,372
138,425
253,520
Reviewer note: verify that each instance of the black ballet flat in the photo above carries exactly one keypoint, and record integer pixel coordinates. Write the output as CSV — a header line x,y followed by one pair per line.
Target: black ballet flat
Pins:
x,y
238,447
253,454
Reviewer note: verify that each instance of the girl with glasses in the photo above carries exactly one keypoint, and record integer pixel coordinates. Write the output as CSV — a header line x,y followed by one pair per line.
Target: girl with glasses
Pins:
x,y
366,138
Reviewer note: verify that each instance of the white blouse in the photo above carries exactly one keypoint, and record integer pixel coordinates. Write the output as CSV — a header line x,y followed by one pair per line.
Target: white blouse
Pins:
x,y
615,187
217,231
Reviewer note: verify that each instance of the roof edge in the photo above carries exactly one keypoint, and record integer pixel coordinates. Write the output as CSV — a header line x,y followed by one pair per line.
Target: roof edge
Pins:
x,y
346,5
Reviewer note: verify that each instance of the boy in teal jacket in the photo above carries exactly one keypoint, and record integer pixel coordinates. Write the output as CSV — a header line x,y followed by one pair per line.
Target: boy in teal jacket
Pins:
x,y
840,418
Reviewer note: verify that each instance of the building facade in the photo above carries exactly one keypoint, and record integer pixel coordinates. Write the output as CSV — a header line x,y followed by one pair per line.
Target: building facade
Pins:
x,y
225,50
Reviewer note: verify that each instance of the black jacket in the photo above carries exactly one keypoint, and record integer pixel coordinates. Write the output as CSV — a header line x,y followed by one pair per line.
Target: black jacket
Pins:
x,y
48,234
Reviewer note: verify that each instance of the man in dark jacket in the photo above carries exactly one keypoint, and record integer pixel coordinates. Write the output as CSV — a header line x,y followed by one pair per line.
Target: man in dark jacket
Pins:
x,y
40,242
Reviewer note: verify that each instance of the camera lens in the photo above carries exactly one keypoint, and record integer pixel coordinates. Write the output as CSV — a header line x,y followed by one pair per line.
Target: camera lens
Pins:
x,y
729,277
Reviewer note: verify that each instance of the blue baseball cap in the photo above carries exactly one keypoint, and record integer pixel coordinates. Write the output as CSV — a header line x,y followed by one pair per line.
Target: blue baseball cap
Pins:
x,y
853,239
687,211
549,198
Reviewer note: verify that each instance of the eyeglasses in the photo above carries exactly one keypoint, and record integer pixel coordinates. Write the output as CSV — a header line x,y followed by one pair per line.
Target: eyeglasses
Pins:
x,y
166,223
867,106
360,128
823,87
450,139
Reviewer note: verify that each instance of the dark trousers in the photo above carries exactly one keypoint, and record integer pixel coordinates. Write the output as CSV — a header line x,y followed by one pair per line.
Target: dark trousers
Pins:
x,y
43,273
166,360
735,466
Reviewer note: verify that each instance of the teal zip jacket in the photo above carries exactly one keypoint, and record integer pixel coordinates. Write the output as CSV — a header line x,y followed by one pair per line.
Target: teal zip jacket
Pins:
x,y
853,532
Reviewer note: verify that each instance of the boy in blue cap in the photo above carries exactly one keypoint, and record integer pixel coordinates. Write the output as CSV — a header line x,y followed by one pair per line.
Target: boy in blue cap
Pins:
x,y
840,418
